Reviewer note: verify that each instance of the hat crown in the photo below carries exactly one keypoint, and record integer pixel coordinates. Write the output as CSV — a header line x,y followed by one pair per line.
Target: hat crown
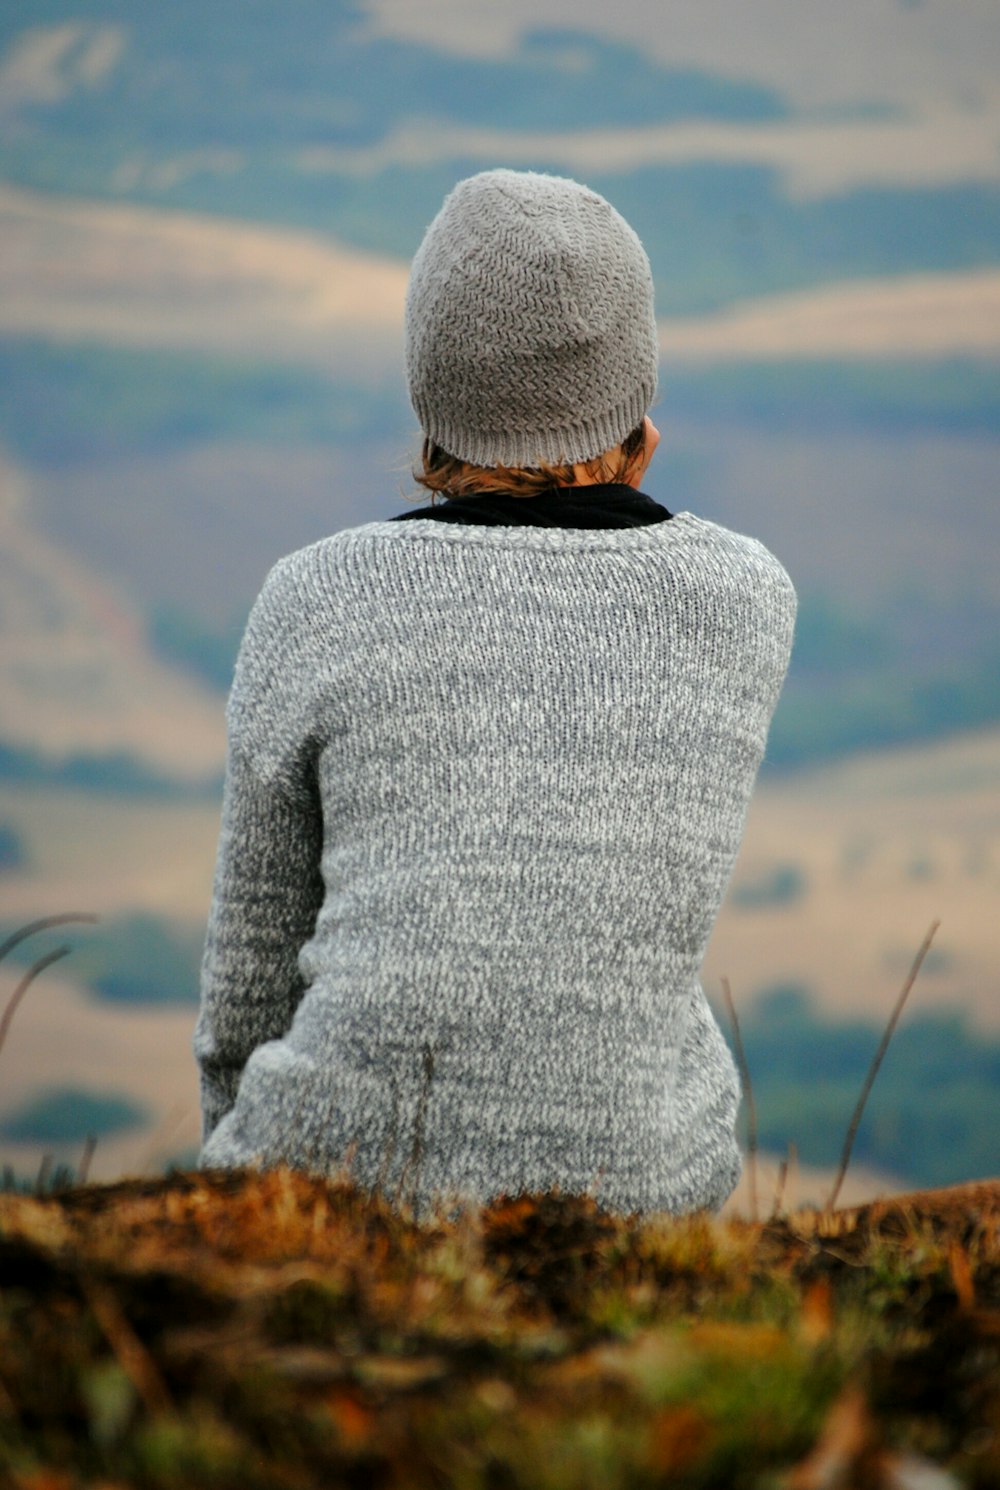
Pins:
x,y
530,330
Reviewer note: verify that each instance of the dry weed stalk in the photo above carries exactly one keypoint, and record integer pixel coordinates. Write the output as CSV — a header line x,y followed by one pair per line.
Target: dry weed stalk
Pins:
x,y
43,924
132,1355
869,1082
89,1146
748,1094
34,970
873,1069
787,1163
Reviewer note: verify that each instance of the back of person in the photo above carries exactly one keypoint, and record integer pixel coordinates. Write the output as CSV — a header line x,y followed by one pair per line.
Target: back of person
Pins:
x,y
488,774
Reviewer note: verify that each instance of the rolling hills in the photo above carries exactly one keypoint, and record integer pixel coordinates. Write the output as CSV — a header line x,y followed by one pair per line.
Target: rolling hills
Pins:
x,y
206,232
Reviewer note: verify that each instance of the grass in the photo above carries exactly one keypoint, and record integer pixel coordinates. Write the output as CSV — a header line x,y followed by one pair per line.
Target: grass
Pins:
x,y
252,1330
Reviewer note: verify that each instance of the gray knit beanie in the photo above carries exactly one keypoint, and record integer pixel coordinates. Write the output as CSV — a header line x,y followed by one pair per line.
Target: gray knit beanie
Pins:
x,y
530,330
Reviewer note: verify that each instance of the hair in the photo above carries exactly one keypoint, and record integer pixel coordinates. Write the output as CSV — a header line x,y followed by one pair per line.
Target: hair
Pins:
x,y
445,475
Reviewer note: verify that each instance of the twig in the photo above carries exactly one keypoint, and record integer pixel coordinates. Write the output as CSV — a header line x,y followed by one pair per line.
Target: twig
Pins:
x,y
132,1355
748,1094
415,1160
89,1145
43,924
24,985
779,1191
873,1069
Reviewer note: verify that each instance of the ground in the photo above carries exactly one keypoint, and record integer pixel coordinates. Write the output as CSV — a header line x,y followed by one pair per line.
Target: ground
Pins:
x,y
274,1330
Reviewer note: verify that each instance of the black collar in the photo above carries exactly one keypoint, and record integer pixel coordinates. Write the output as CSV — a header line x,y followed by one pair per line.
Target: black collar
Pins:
x,y
605,505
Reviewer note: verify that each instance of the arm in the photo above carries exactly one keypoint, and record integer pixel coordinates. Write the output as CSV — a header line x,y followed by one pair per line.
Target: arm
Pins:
x,y
268,888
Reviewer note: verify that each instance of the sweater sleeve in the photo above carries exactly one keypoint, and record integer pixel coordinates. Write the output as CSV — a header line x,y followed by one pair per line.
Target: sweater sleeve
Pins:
x,y
268,888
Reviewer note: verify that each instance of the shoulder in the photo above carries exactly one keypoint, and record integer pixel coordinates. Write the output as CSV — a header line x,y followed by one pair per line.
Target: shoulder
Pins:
x,y
337,571
312,595
319,569
302,585
742,553
287,642
759,598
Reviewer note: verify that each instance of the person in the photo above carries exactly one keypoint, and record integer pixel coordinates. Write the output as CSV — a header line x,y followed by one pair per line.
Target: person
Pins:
x,y
489,764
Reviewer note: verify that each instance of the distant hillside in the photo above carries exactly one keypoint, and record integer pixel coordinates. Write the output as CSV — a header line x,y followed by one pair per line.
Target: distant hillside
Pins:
x,y
79,689
861,57
328,125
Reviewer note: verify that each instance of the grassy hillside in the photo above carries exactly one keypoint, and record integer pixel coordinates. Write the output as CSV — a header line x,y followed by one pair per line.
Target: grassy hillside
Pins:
x,y
83,403
314,124
911,661
808,1070
241,1331
83,698
80,402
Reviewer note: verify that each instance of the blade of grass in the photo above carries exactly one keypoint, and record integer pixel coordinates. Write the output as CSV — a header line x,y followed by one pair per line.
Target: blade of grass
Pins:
x,y
90,1144
25,984
43,924
873,1069
779,1191
748,1094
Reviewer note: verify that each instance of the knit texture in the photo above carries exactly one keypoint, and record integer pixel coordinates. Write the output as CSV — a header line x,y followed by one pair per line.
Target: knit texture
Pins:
x,y
485,789
530,330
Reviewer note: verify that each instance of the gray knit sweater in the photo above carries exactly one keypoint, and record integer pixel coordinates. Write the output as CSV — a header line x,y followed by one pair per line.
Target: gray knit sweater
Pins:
x,y
485,789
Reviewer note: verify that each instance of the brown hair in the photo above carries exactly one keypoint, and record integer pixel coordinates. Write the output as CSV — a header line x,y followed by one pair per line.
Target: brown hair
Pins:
x,y
446,475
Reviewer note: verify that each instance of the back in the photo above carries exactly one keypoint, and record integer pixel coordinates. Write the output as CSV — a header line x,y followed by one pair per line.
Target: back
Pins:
x,y
521,759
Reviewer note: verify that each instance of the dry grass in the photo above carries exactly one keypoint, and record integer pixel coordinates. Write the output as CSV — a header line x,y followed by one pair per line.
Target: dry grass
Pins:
x,y
142,277
910,316
272,1330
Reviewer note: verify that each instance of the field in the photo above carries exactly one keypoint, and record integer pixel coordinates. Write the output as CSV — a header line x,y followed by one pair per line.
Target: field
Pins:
x,y
76,673
883,846
135,276
78,270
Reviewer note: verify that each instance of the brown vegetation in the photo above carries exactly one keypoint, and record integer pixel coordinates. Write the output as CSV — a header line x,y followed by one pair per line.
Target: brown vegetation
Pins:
x,y
241,1329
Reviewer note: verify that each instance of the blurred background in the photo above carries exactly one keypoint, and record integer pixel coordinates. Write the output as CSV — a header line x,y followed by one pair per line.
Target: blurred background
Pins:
x,y
206,215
